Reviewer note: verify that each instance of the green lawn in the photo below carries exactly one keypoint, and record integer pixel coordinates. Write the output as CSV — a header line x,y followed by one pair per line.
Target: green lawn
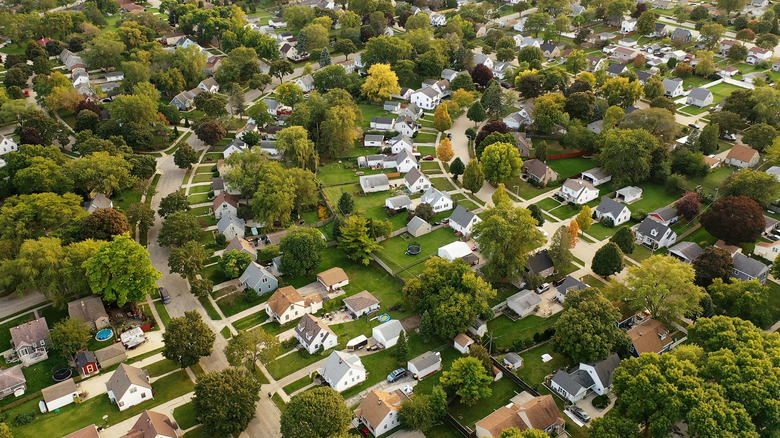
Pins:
x,y
39,375
774,300
425,137
548,204
210,310
226,333
568,167
185,416
202,178
654,196
162,367
342,173
600,232
230,306
206,168
293,362
502,391
565,211
198,432
199,189
298,384
713,181
432,166
199,198
163,312
702,237
640,253
534,370
73,417
442,184
393,251
372,110
252,320
505,331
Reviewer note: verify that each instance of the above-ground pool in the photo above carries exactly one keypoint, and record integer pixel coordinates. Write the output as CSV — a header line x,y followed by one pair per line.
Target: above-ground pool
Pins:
x,y
62,374
104,334
384,317
413,249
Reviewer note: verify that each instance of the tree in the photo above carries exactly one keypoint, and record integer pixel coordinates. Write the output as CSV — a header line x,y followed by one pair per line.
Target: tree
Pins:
x,y
613,426
290,94
176,201
710,35
233,263
356,241
179,228
5,431
580,105
584,219
622,92
301,251
608,260
419,412
141,215
494,100
187,260
100,172
444,151
506,236
294,142
318,413
187,339
501,162
103,224
346,203
735,219
201,287
469,380
210,132
279,68
401,353
613,116
707,142
346,47
481,75
661,284
457,168
759,136
87,120
324,57
121,271
540,151
586,330
536,213
654,88
626,154
103,51
69,336
548,112
689,205
560,247
248,347
748,300
441,118
730,5
714,262
645,24
185,156
381,83
476,113
473,176
225,401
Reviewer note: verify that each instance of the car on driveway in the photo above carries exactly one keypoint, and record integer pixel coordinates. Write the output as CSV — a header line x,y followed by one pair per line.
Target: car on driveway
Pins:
x,y
580,413
396,375
559,281
544,287
693,125
428,158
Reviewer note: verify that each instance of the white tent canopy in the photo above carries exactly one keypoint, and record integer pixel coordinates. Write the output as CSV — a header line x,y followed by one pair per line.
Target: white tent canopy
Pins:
x,y
454,250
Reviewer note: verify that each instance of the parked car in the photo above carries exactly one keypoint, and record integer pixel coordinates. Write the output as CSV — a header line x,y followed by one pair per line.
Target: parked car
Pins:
x,y
558,281
580,413
693,125
396,375
773,237
166,297
544,233
543,288
428,158
449,135
730,137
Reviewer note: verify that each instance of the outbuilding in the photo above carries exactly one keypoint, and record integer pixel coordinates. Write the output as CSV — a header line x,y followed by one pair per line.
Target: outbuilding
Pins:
x,y
387,334
59,395
454,250
425,364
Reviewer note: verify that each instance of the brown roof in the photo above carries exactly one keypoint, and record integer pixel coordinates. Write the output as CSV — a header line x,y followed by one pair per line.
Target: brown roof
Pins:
x,y
332,276
113,350
537,413
30,332
463,339
124,377
11,377
742,153
87,309
646,337
378,404
733,249
87,432
283,298
309,326
710,161
224,197
729,68
152,425
241,244
361,301
536,168
59,390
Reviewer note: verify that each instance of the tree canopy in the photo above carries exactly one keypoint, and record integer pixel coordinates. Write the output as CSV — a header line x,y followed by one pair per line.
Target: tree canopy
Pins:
x,y
586,330
187,339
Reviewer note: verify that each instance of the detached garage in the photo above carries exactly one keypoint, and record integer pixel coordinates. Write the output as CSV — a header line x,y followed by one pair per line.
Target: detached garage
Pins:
x,y
454,250
59,395
425,364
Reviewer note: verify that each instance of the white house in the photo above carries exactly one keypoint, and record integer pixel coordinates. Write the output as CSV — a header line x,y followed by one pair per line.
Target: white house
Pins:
x,y
481,58
398,203
306,83
578,191
235,146
615,211
210,85
387,334
374,141
231,227
454,250
361,304
674,87
30,341
757,54
379,411
129,386
224,204
381,123
415,181
286,305
767,250
312,333
418,227
150,425
405,161
242,245
406,125
628,194
425,364
655,234
688,252
517,119
439,201
333,279
462,220
462,343
523,303
258,278
401,142
742,156
700,97
426,98
438,20
374,183
628,26
592,376
596,176
7,145
568,284
59,395
342,371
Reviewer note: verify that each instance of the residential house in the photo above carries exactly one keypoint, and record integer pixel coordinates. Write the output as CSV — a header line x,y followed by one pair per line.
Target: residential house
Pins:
x,y
569,283
217,185
210,85
686,251
374,183
379,411
382,123
681,35
530,41
90,310
541,264
342,371
480,58
595,63
700,97
90,431
183,101
518,119
643,76
99,201
481,30
439,201
59,395
129,386
742,156
405,161
231,227
277,23
523,303
153,425
333,279
213,63
392,106
224,204
673,87
425,364
388,333
406,125
660,30
776,65
624,54
418,227
454,250
628,194
312,333
612,210
306,83
235,146
747,269
411,110
596,176
757,54
362,303
550,50
615,69
766,250
242,245
87,363
500,68
664,215
462,220
596,126
259,279
401,142
111,355
398,203
593,376
512,361
286,304
655,234
426,98
273,106
729,71
289,52
537,413
405,94
79,76
416,181
578,191
651,336
725,45
7,145
30,341
12,381
449,74
374,141
628,26
438,20
462,343
524,144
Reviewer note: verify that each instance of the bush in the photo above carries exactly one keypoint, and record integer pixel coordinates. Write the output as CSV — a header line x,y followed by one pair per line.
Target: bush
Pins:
x,y
608,222
221,239
639,215
601,401
24,418
290,343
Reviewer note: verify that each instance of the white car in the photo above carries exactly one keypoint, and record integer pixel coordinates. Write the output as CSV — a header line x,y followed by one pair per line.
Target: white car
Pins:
x,y
543,288
544,233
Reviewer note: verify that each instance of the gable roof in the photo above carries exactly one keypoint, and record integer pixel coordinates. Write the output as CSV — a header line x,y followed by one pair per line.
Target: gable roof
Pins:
x,y
611,207
59,390
578,185
224,197
87,309
30,332
742,153
616,69
338,364
643,75
415,224
360,301
463,339
525,300
574,382
432,196
462,216
665,213
11,377
426,360
750,267
111,351
390,329
687,250
671,84
377,404
540,261
332,276
571,283
84,358
228,220
649,225
99,201
700,93
756,49
241,244
310,326
151,425
537,413
371,181
413,176
372,138
403,155
124,377
605,368
536,168
209,82
681,33
283,298
596,173
87,432
646,337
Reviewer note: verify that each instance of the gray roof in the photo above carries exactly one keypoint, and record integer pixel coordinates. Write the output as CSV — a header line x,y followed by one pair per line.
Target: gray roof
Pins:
x,y
648,225
525,300
596,172
428,91
400,201
390,329
209,82
665,213
571,283
447,72
462,216
578,185
87,309
573,383
700,93
610,206
382,120
372,181
404,154
401,138
536,168
228,219
99,201
616,69
85,357
338,364
513,358
426,360
643,75
681,33
11,377
372,137
415,224
113,350
659,26
310,326
218,184
376,157
254,274
548,47
433,195
271,103
687,250
630,190
30,332
307,80
392,103
480,58
540,261
59,390
671,84
770,222
605,368
124,377
750,267
413,175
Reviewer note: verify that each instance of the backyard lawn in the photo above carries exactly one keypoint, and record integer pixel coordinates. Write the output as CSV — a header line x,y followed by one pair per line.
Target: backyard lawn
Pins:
x,y
534,370
393,251
506,331
442,184
502,392
568,167
712,181
654,196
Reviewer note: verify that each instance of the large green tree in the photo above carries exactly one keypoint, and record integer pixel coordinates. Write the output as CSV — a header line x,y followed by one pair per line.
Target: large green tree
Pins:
x,y
225,401
188,259
356,240
294,142
187,339
762,187
608,260
301,251
69,336
501,162
748,300
586,330
469,379
473,176
179,228
317,413
248,347
626,154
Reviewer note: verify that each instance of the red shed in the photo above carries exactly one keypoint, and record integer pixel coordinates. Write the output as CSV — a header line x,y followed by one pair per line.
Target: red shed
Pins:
x,y
87,363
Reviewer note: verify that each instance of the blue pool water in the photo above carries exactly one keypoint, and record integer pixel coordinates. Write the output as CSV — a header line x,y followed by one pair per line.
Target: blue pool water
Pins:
x,y
104,334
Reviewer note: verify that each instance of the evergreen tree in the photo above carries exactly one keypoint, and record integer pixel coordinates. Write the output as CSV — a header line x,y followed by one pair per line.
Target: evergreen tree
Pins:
x,y
624,238
402,349
476,113
427,329
324,58
457,168
346,203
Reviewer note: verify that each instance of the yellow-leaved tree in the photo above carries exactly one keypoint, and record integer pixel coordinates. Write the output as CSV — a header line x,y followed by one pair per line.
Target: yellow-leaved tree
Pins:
x,y
381,83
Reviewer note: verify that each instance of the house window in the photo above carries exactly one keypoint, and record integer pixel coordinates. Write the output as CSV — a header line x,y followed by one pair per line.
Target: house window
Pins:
x,y
133,390
121,404
143,395
265,280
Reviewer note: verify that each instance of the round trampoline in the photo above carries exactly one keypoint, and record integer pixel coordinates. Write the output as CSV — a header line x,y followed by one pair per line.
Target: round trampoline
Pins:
x,y
104,334
62,374
413,249
384,317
